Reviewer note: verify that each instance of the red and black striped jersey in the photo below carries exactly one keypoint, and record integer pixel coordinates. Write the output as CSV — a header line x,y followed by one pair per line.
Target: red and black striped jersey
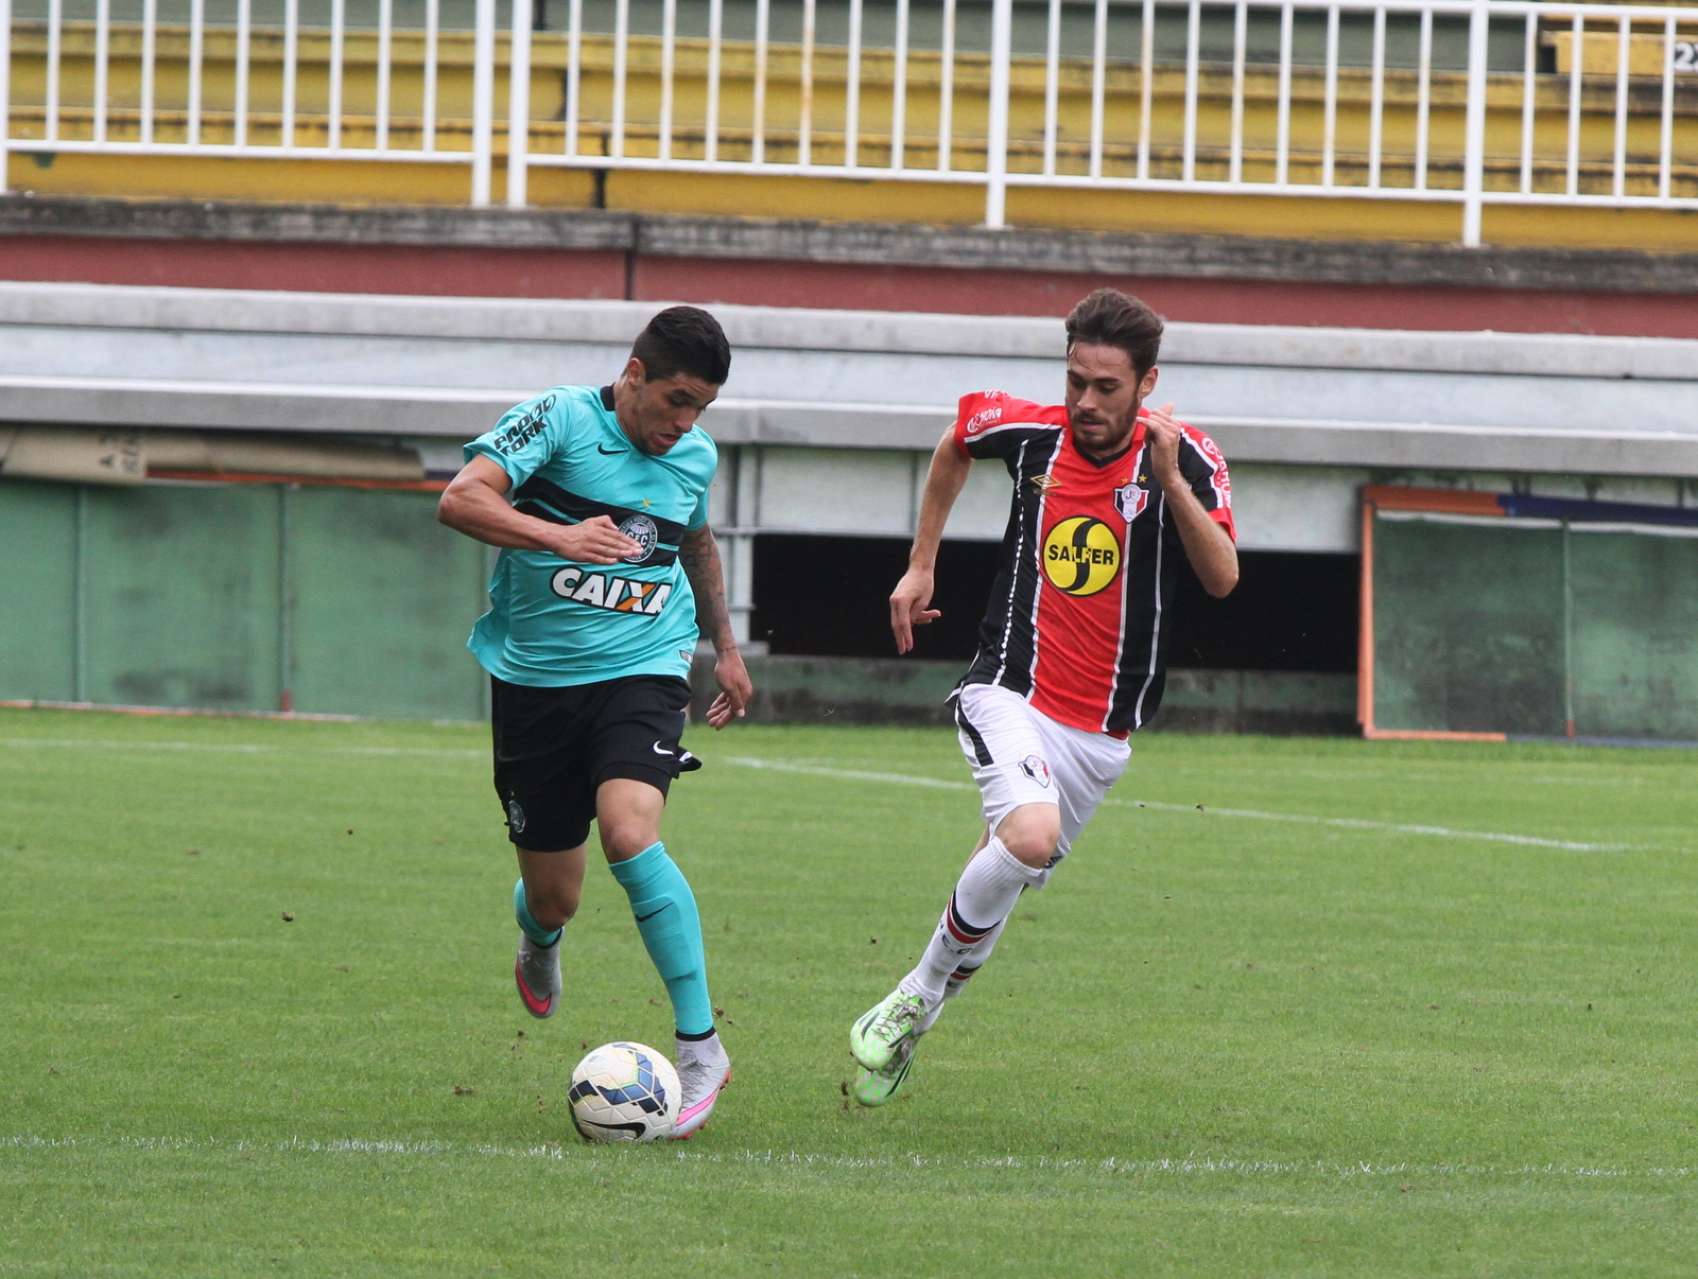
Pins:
x,y
1089,560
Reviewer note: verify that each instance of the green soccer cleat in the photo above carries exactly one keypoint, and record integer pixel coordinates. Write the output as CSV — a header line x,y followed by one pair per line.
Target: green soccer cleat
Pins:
x,y
873,1039
875,1087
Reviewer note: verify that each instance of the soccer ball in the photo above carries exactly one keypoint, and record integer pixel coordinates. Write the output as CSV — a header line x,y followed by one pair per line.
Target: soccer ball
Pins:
x,y
624,1092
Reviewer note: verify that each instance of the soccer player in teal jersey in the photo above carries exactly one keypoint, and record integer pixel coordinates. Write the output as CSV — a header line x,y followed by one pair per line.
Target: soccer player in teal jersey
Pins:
x,y
597,498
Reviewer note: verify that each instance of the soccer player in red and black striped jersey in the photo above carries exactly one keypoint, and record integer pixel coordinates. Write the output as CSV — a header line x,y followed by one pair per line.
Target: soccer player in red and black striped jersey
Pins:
x,y
1108,497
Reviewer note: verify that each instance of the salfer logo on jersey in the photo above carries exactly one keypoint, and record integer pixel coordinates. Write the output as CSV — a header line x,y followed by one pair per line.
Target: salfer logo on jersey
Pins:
x,y
1081,555
1130,500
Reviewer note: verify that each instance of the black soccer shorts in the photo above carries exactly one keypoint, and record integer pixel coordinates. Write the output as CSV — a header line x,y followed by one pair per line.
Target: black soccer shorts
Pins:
x,y
554,746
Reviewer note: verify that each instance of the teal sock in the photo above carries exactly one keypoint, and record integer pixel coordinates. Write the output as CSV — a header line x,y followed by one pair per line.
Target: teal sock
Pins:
x,y
665,910
522,912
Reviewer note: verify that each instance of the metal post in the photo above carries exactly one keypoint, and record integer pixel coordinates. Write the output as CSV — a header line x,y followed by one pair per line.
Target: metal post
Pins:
x,y
1474,155
996,142
483,102
740,560
5,87
1567,635
285,600
79,598
519,106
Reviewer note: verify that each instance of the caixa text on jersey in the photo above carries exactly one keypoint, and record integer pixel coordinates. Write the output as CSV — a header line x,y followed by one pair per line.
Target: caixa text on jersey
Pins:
x,y
616,594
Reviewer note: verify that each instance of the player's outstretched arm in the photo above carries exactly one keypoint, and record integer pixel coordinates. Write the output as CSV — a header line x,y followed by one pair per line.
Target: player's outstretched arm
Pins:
x,y
475,503
910,602
699,553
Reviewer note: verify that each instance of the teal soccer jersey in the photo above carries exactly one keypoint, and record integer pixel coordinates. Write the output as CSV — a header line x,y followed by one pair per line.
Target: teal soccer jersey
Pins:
x,y
554,622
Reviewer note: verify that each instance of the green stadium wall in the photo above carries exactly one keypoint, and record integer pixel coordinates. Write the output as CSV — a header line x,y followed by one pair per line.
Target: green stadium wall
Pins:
x,y
239,597
347,601
1507,615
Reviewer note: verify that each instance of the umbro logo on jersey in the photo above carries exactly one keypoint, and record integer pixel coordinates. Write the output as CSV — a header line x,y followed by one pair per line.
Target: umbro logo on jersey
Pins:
x,y
1045,483
616,594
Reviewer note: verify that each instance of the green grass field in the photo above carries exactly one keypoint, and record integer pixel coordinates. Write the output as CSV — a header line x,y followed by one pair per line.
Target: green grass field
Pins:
x,y
1294,1007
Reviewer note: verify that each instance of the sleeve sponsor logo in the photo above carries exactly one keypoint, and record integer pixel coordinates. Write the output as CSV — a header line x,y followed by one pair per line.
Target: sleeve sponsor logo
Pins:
x,y
513,438
1221,480
983,418
615,594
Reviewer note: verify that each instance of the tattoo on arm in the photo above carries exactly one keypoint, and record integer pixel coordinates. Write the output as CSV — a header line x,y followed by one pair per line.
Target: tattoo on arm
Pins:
x,y
700,555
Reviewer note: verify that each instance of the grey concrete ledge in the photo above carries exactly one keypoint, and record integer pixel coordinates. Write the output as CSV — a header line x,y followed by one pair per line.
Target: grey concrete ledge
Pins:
x,y
424,226
871,332
1399,264
453,413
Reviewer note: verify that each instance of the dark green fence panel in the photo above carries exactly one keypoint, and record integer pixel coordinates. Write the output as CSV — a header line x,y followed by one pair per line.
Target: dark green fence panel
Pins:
x,y
38,581
1586,624
382,599
182,591
1468,628
1635,634
238,597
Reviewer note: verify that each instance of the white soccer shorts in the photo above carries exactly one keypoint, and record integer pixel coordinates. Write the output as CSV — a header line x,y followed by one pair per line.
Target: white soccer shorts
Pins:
x,y
1022,756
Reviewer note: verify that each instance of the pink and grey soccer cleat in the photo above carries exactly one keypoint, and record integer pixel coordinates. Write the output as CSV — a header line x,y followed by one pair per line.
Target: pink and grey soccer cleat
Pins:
x,y
536,972
700,1083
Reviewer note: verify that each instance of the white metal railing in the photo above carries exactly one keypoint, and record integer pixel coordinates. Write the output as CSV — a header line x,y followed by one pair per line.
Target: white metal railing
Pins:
x,y
1468,102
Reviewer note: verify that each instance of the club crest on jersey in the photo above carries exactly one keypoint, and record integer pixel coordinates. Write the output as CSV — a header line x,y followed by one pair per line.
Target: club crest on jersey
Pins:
x,y
1035,768
1130,500
641,530
616,594
1081,555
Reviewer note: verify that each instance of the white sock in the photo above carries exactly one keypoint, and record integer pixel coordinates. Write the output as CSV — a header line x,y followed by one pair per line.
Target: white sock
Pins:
x,y
970,963
983,896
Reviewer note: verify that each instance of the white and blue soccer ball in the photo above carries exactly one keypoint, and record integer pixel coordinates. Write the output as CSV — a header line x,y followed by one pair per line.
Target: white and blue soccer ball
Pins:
x,y
624,1092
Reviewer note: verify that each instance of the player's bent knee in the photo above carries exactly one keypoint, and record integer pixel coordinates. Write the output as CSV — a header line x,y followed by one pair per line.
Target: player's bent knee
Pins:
x,y
623,840
1031,833
552,904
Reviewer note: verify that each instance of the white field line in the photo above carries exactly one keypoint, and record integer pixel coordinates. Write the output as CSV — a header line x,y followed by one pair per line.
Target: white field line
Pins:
x,y
244,748
1253,814
856,775
1190,1165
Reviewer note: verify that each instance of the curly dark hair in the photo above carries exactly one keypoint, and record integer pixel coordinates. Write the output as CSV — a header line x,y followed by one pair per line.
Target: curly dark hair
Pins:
x,y
684,339
1108,317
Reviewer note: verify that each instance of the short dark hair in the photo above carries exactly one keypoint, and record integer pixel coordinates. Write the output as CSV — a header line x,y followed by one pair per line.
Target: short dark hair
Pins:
x,y
1108,317
684,339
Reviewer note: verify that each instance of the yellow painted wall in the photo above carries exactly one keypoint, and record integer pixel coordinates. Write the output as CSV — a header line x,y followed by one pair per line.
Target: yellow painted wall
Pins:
x,y
844,199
